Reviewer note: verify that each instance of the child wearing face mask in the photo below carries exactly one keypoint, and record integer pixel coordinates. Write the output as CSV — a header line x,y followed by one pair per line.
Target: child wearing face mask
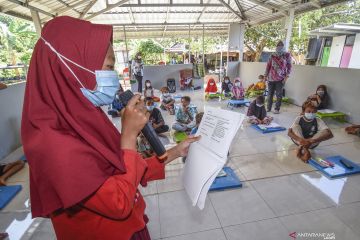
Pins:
x,y
226,86
167,101
308,131
238,90
156,118
257,113
149,91
321,98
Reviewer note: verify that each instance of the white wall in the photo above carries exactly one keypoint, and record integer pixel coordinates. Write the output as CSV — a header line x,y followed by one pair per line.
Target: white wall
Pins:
x,y
158,74
11,103
336,51
343,85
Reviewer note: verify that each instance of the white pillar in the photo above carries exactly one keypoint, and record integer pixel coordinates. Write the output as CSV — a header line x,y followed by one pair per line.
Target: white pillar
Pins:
x,y
37,22
289,26
228,51
241,41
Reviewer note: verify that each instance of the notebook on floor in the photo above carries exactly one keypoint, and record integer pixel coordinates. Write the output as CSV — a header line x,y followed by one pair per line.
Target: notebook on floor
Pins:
x,y
340,166
272,127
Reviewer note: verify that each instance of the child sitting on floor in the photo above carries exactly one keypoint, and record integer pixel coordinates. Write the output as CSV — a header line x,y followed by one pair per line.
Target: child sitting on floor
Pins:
x,y
321,98
198,119
257,113
167,101
211,87
260,85
308,131
184,116
226,86
149,91
156,118
238,90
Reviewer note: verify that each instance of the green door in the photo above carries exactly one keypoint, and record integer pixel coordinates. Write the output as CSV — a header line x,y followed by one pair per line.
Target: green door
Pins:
x,y
325,56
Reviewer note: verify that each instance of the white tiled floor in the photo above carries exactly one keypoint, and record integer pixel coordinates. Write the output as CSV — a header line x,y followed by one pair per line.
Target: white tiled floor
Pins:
x,y
280,194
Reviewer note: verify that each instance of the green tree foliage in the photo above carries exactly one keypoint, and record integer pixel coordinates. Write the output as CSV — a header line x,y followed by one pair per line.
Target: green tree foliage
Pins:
x,y
17,40
150,51
266,35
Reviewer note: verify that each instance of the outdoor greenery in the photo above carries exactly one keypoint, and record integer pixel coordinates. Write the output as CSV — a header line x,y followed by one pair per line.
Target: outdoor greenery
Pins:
x,y
17,40
266,35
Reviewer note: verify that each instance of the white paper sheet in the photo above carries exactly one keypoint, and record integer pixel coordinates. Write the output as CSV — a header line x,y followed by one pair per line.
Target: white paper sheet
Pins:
x,y
207,157
271,125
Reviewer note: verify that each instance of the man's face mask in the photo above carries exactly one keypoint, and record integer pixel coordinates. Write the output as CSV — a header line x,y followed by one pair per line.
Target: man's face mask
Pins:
x,y
280,49
107,82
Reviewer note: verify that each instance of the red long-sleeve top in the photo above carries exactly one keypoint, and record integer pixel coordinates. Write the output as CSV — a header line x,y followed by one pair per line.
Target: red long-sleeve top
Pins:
x,y
118,199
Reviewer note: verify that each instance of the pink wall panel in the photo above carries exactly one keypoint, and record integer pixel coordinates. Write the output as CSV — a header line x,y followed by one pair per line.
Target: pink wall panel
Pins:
x,y
345,59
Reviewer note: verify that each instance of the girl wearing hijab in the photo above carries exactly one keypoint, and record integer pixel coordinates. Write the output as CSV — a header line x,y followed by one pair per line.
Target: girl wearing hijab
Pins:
x,y
211,86
321,98
84,174
238,90
277,72
137,67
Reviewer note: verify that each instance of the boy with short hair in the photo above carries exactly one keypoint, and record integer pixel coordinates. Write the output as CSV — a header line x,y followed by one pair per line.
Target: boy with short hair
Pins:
x,y
184,116
308,131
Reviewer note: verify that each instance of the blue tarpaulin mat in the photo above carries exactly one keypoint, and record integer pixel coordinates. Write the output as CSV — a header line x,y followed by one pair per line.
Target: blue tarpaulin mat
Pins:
x,y
7,193
226,182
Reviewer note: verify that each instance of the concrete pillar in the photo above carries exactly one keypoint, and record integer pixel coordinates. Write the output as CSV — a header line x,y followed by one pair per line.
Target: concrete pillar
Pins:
x,y
241,41
289,26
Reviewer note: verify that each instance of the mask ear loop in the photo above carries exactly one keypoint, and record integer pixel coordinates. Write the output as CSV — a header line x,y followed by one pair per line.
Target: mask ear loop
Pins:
x,y
62,57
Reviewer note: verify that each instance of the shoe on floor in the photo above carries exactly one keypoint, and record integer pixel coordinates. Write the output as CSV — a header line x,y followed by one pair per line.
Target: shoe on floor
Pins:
x,y
276,111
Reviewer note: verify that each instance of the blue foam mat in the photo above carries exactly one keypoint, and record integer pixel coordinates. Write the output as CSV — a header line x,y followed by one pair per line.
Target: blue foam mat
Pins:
x,y
226,182
7,193
268,130
238,102
338,170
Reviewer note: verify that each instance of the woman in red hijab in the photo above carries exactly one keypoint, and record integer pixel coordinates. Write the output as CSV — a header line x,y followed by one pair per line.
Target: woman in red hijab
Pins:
x,y
84,174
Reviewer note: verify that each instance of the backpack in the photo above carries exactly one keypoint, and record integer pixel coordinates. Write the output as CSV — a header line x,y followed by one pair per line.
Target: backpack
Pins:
x,y
170,83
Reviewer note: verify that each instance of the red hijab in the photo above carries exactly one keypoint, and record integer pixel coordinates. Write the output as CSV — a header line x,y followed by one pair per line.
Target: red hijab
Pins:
x,y
211,88
72,147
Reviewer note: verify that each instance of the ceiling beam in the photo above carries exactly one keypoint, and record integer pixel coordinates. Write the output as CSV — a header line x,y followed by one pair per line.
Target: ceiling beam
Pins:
x,y
241,9
68,5
166,19
169,24
108,8
231,9
87,8
174,11
26,5
265,5
144,5
66,9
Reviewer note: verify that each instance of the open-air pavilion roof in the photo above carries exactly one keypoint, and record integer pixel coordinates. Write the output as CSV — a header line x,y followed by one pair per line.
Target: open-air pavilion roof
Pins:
x,y
336,30
164,18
